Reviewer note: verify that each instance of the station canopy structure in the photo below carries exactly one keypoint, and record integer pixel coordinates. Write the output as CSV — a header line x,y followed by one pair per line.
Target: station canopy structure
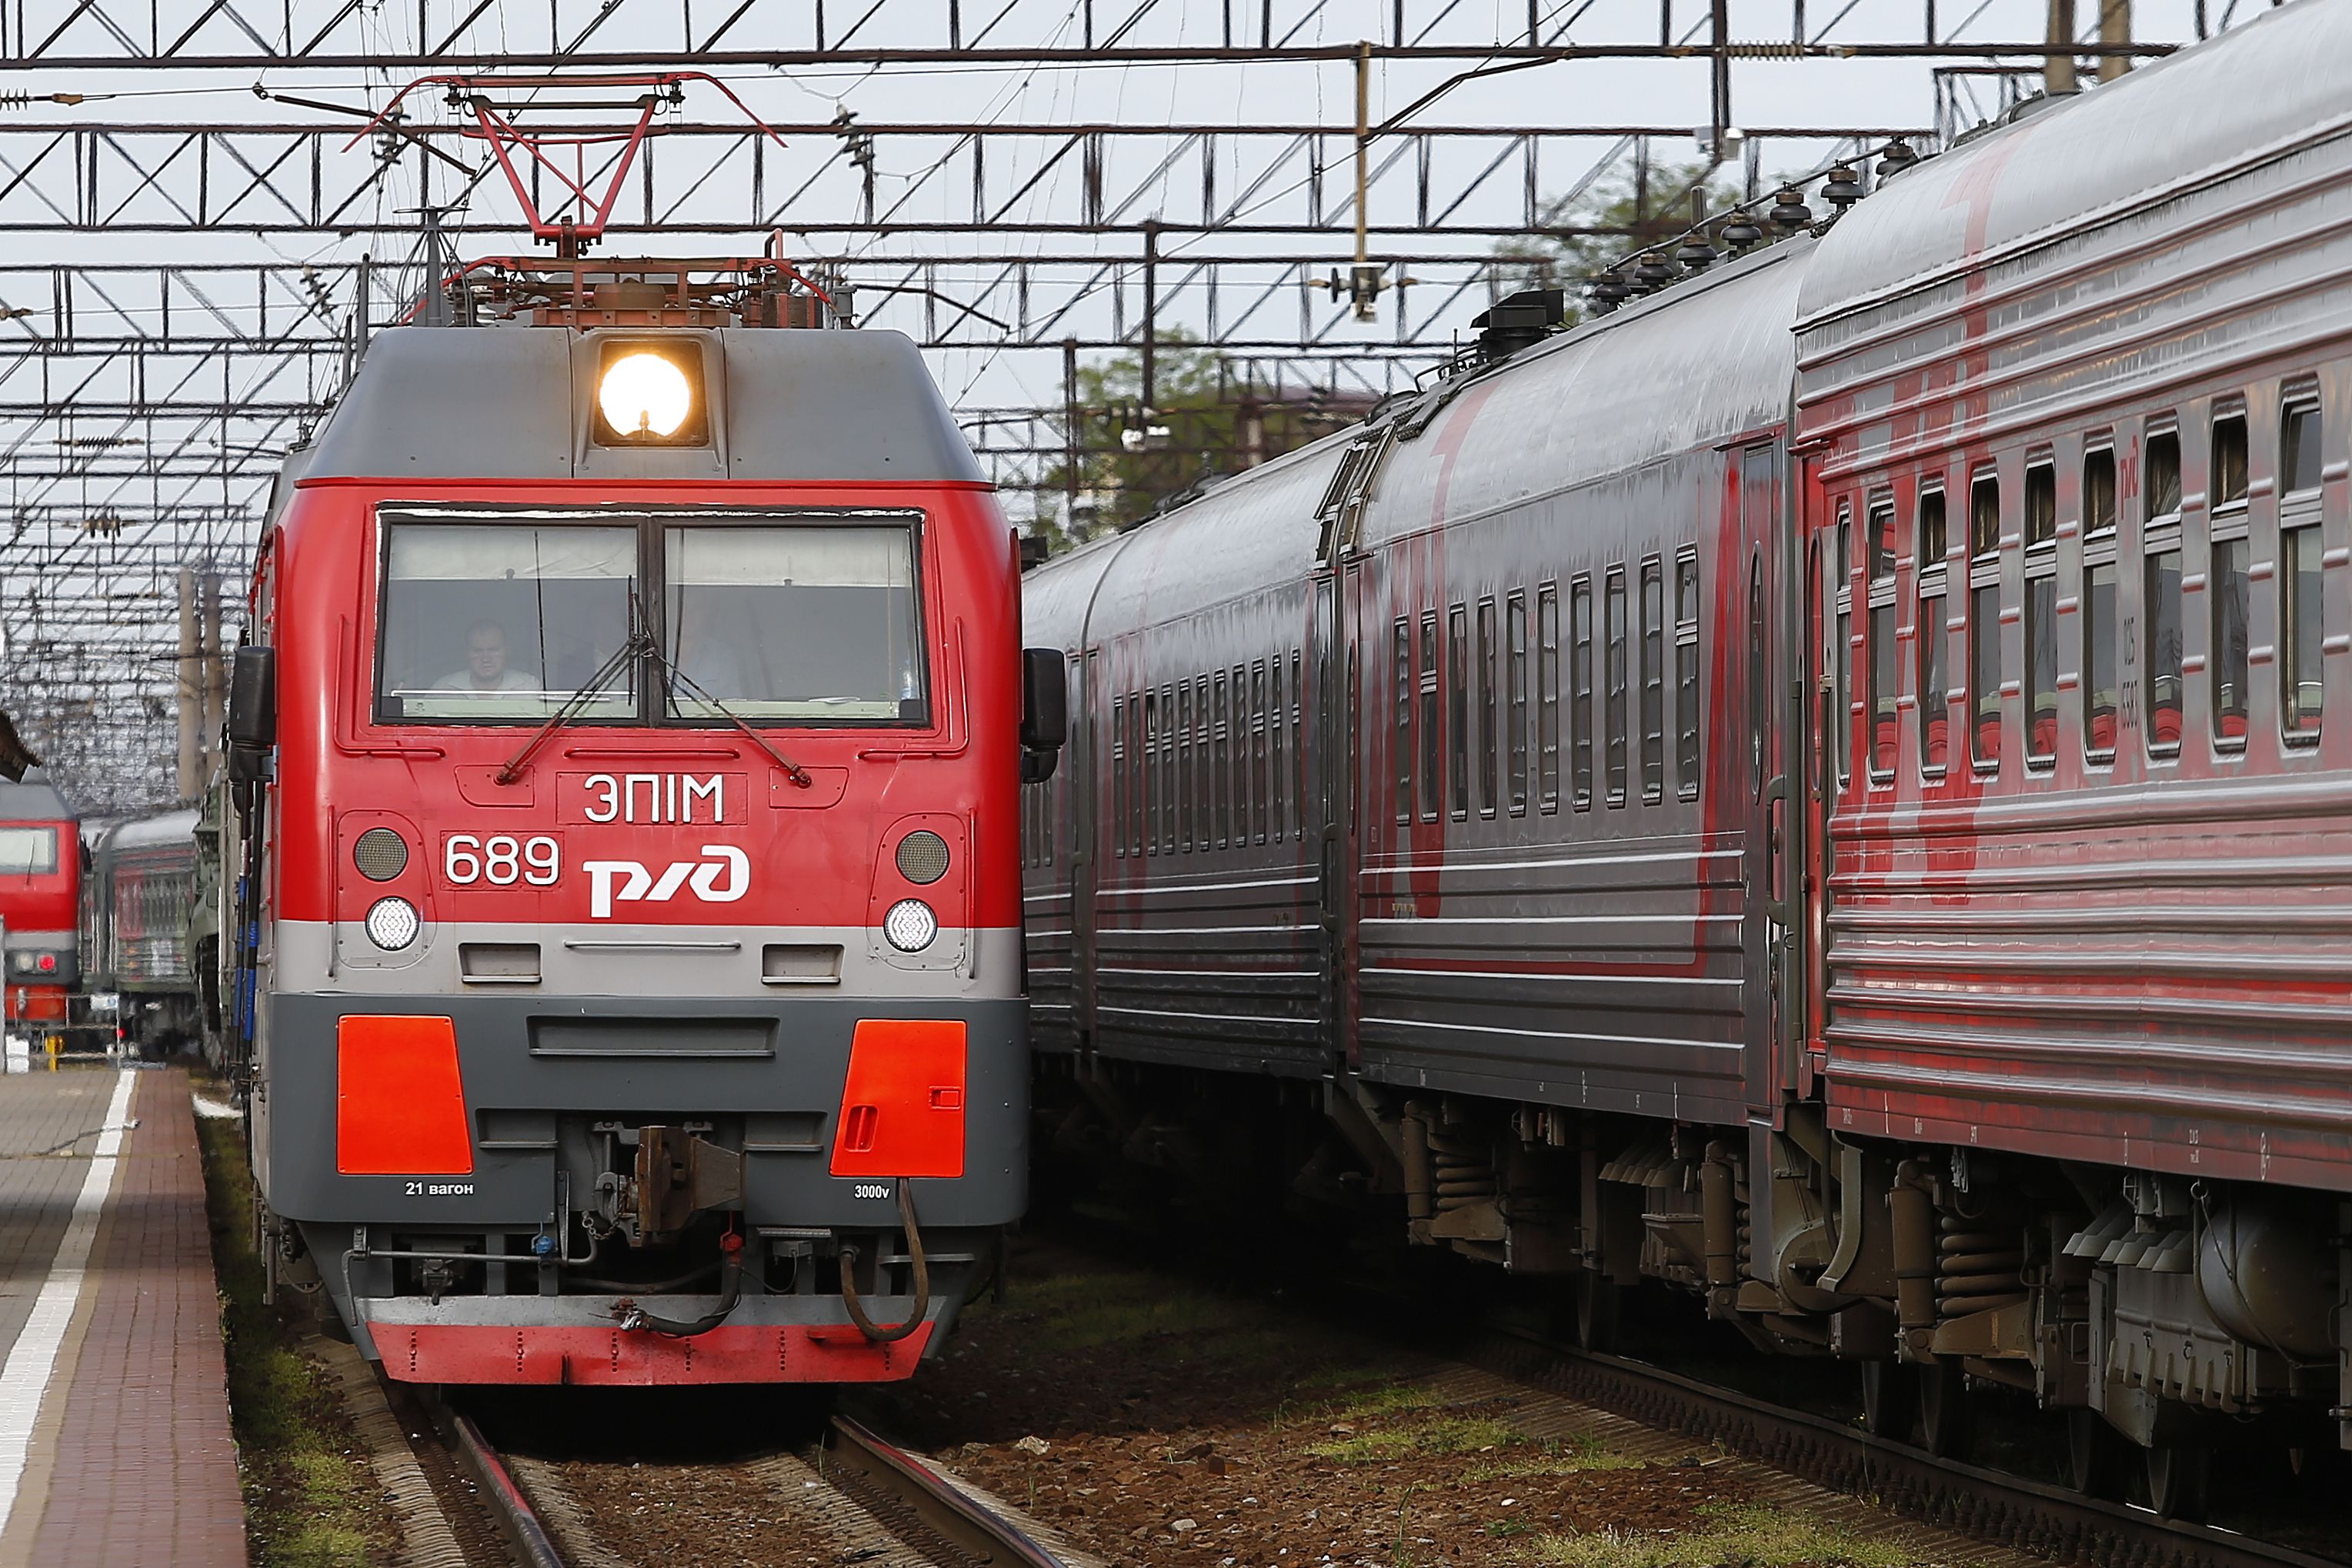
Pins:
x,y
1085,211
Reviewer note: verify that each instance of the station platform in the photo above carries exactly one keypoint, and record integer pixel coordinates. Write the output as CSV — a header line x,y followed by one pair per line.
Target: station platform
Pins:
x,y
114,1431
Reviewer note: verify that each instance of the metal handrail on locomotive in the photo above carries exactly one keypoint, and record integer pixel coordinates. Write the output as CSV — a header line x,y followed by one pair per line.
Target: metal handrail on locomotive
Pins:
x,y
624,761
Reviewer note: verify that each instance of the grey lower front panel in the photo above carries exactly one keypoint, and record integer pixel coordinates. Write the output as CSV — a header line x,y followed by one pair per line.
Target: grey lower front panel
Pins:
x,y
765,1075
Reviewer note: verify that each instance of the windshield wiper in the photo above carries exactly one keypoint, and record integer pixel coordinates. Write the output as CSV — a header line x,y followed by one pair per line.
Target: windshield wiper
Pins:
x,y
639,642
792,770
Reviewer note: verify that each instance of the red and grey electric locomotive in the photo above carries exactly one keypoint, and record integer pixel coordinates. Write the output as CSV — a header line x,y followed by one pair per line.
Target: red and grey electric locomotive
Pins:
x,y
1827,786
626,757
40,882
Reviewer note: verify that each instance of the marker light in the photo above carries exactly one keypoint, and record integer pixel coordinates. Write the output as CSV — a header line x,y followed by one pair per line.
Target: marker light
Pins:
x,y
392,923
645,397
910,925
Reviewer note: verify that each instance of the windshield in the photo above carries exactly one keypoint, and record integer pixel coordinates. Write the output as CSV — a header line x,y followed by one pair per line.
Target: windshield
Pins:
x,y
26,850
811,621
504,622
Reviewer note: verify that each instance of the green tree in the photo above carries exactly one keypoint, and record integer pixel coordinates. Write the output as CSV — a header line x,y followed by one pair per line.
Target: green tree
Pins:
x,y
1207,416
1616,219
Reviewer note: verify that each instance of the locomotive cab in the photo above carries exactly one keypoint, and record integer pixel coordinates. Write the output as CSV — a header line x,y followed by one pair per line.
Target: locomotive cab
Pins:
x,y
637,969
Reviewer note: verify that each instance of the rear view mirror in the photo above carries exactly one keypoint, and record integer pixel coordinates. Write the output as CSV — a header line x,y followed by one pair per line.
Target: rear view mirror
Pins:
x,y
252,712
1045,702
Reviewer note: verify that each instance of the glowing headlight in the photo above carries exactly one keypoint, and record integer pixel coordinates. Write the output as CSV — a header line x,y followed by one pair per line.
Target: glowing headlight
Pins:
x,y
910,925
392,923
644,394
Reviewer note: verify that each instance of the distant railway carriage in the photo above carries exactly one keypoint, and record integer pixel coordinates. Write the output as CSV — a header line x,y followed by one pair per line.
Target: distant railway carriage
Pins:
x,y
625,759
140,899
1828,787
40,878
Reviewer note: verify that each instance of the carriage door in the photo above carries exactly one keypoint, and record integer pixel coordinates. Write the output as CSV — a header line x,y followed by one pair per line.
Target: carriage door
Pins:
x,y
1083,774
1766,945
1338,624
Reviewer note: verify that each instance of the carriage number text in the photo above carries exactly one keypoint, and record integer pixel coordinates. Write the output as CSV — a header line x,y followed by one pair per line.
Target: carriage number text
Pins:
x,y
501,859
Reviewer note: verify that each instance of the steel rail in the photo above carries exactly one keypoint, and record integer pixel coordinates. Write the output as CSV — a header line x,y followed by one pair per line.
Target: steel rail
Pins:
x,y
517,1520
944,1509
2048,1520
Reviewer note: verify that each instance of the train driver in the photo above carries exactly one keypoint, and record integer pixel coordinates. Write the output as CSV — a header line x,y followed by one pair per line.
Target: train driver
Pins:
x,y
485,664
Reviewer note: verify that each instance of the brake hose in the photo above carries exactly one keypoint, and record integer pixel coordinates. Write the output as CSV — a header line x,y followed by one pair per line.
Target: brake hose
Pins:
x,y
879,1333
730,1294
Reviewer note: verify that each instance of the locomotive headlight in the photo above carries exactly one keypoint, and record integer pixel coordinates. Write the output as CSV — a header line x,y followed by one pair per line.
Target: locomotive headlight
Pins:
x,y
910,925
644,396
393,923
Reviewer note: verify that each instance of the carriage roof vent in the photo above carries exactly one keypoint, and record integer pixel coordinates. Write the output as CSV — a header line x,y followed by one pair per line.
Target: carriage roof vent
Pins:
x,y
1518,320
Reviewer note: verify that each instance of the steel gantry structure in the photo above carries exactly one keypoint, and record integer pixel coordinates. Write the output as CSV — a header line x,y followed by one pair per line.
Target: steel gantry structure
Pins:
x,y
210,219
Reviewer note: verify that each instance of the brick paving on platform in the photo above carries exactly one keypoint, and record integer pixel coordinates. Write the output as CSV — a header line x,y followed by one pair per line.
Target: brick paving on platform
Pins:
x,y
135,1462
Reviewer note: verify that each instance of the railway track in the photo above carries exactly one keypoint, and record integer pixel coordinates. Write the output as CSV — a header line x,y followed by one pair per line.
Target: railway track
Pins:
x,y
885,1505
1991,1505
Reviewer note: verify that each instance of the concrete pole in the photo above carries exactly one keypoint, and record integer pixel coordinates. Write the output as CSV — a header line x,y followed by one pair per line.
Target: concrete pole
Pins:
x,y
186,687
2114,27
2058,67
213,671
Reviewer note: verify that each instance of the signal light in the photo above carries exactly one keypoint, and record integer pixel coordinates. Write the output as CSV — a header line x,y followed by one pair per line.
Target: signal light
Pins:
x,y
651,396
49,964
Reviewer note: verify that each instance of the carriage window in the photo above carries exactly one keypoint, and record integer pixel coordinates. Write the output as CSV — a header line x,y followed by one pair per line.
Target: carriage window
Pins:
x,y
2226,664
1153,802
1428,716
1221,772
1401,743
2302,621
1934,637
1547,681
1245,716
814,622
1615,634
2299,448
1490,714
1185,756
1515,632
2160,475
2301,625
1298,774
2041,614
2163,688
2099,693
1259,778
2098,492
1884,681
1579,711
1457,716
1277,796
2226,485
1653,681
28,851
2040,504
1839,656
1139,792
2102,656
1686,675
1171,777
1118,775
1984,621
505,623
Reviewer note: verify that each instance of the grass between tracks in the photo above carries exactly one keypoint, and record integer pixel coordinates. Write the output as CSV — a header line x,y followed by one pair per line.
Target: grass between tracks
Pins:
x,y
309,1493
1723,1538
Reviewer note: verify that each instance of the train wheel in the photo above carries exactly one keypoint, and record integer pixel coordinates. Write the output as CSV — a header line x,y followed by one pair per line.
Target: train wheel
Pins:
x,y
1596,1310
2180,1478
1946,1413
2095,1453
1890,1398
